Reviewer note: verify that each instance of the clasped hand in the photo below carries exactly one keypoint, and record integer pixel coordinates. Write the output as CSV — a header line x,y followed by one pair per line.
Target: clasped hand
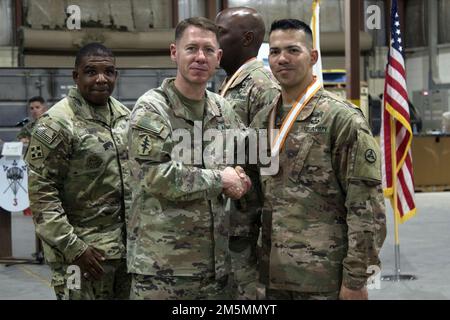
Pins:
x,y
235,182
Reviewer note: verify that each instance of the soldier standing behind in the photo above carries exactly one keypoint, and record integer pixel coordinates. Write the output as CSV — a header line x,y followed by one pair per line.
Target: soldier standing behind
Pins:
x,y
178,230
37,107
78,193
324,215
249,87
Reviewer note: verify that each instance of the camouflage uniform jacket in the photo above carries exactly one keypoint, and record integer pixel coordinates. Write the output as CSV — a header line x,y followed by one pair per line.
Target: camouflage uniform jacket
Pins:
x,y
76,179
324,214
25,131
177,225
252,90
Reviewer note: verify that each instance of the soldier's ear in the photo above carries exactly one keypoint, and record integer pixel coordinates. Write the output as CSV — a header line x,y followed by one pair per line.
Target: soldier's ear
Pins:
x,y
173,52
247,38
75,75
219,56
314,56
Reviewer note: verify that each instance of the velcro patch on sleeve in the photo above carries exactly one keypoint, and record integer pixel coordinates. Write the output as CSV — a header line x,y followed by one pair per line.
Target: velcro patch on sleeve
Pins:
x,y
153,125
48,134
36,152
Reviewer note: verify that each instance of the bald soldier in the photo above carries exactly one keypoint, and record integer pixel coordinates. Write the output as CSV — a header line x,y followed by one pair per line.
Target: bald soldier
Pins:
x,y
249,87
324,216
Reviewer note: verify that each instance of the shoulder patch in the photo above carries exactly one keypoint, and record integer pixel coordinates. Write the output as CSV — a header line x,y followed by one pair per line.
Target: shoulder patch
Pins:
x,y
36,152
48,134
152,125
370,156
367,163
145,144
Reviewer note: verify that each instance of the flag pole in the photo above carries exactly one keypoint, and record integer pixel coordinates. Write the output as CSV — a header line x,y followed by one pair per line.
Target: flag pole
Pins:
x,y
395,204
397,276
394,197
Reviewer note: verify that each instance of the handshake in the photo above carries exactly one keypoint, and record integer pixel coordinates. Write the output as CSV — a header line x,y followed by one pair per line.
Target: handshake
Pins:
x,y
235,182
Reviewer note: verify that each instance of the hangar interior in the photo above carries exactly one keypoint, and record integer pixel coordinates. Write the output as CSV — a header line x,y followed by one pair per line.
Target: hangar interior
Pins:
x,y
38,40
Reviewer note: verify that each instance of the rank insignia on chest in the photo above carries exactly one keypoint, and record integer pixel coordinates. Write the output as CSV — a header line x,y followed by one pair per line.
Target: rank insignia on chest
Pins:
x,y
145,145
315,120
93,161
36,152
316,117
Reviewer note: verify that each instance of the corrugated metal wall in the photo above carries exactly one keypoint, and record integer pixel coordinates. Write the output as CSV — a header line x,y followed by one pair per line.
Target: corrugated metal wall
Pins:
x,y
416,34
416,24
127,15
331,12
444,21
5,23
191,8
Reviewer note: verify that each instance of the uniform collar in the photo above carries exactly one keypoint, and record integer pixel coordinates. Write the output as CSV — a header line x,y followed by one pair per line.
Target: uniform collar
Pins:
x,y
86,111
245,72
304,114
309,108
180,110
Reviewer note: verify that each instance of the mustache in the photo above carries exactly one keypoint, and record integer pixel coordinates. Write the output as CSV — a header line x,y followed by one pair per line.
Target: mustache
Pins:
x,y
199,67
287,67
103,88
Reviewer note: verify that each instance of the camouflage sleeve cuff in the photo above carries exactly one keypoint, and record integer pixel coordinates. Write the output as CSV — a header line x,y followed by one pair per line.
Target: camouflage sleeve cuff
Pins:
x,y
75,250
353,282
216,184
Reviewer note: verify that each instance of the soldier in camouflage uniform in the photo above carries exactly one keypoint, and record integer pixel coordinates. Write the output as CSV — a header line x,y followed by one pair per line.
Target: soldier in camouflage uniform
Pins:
x,y
37,108
324,214
178,230
249,87
77,182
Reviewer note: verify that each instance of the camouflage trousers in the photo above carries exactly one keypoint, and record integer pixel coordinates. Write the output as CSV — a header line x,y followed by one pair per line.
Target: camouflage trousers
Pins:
x,y
115,284
147,287
244,275
275,294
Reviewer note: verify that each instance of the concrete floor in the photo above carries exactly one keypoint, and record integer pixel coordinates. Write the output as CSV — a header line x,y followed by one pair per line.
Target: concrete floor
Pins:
x,y
24,281
424,252
424,242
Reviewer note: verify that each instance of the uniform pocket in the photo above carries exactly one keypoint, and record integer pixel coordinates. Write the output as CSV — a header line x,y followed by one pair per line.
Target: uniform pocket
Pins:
x,y
301,145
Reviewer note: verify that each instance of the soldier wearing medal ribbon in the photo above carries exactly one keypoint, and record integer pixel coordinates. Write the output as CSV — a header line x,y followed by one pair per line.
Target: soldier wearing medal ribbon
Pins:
x,y
323,220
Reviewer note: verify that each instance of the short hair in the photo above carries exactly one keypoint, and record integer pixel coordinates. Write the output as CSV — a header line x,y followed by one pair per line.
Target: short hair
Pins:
x,y
92,49
291,24
36,99
199,22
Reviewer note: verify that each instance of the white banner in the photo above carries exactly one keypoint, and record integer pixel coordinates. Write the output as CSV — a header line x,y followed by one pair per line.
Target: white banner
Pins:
x,y
13,184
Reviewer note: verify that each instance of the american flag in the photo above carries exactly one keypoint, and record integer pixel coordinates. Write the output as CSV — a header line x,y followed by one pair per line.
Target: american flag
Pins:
x,y
396,133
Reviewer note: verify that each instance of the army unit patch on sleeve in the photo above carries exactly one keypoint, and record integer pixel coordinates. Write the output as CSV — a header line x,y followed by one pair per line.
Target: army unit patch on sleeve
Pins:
x,y
145,145
36,152
371,156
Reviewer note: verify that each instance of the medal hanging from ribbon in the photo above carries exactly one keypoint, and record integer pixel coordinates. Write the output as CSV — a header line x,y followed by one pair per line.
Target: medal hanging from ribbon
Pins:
x,y
278,143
